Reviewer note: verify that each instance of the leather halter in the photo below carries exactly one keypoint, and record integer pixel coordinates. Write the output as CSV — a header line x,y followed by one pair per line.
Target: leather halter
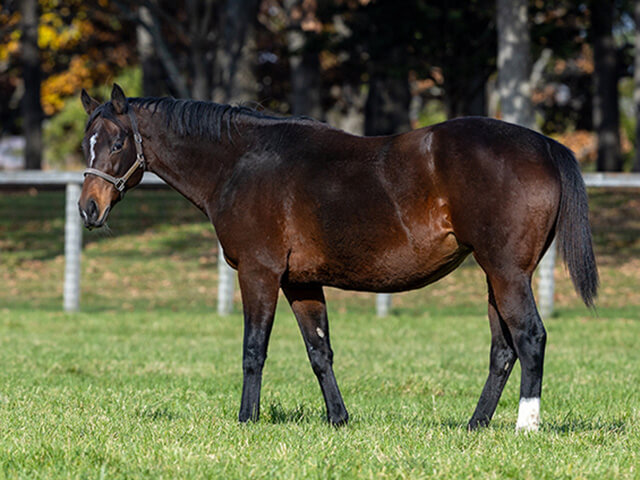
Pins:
x,y
120,183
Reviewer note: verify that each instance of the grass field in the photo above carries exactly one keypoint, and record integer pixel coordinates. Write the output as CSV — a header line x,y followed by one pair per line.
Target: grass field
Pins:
x,y
145,381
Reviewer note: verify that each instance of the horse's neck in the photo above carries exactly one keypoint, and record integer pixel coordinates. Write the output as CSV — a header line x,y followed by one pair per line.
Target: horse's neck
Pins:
x,y
195,167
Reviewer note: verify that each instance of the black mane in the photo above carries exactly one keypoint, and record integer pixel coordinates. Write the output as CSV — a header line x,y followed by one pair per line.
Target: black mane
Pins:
x,y
207,119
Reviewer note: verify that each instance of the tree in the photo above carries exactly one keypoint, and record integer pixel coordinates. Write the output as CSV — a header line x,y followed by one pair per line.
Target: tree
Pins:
x,y
201,44
606,115
80,44
152,75
387,108
514,62
31,107
458,40
234,78
304,62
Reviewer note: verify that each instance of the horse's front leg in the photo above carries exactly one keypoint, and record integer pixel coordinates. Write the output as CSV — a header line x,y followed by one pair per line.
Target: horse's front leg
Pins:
x,y
259,288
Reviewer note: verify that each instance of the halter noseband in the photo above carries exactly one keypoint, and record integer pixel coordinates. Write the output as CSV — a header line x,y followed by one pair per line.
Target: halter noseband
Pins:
x,y
121,182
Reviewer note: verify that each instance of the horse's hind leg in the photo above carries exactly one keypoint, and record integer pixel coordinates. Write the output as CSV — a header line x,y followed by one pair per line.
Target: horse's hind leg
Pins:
x,y
516,307
308,305
502,359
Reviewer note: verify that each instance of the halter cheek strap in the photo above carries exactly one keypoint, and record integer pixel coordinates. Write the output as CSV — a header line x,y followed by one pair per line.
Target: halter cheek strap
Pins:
x,y
120,183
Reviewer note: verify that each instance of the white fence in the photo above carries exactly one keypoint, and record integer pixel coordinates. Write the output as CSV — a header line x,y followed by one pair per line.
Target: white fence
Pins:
x,y
72,181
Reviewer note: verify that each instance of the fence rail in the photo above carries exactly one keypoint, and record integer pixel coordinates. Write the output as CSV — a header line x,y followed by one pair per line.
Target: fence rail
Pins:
x,y
72,181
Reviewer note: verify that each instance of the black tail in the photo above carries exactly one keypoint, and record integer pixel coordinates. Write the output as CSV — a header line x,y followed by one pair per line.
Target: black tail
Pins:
x,y
572,228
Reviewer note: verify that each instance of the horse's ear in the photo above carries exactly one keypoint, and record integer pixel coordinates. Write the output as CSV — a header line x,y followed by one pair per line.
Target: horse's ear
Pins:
x,y
88,102
119,99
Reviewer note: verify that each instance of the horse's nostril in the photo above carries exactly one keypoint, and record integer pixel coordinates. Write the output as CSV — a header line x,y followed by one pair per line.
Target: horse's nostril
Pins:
x,y
92,210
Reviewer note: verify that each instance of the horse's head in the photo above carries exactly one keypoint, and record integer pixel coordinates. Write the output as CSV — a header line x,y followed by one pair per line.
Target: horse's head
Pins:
x,y
113,149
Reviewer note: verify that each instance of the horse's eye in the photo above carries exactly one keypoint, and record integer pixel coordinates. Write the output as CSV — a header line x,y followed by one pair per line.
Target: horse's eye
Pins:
x,y
116,147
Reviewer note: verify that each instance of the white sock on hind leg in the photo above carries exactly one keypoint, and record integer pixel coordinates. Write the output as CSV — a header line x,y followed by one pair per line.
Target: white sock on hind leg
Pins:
x,y
528,415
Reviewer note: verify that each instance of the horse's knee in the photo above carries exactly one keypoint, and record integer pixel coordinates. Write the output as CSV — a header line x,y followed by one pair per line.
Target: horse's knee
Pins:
x,y
253,361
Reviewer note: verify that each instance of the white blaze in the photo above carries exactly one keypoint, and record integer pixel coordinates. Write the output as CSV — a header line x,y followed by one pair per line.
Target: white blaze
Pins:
x,y
528,415
92,148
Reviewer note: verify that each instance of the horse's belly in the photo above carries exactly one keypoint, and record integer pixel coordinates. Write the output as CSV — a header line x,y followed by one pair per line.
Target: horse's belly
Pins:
x,y
403,267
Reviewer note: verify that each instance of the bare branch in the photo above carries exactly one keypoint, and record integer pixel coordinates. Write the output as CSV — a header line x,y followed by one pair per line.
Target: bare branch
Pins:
x,y
164,53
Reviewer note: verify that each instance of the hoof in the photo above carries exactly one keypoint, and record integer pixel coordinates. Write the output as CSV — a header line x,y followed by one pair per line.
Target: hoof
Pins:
x,y
339,420
475,424
246,418
527,428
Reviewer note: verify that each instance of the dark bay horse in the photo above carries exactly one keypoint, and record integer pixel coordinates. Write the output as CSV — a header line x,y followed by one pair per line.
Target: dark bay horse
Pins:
x,y
298,205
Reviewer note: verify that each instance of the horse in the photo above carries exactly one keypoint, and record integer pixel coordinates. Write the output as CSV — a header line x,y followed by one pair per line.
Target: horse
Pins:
x,y
298,205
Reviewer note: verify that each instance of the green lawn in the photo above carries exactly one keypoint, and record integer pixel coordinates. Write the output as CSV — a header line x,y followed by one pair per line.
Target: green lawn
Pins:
x,y
145,381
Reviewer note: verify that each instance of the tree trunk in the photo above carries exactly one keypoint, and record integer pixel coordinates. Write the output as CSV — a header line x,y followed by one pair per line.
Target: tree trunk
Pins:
x,y
152,75
200,15
468,97
175,79
304,64
387,108
234,79
606,118
514,62
636,84
31,107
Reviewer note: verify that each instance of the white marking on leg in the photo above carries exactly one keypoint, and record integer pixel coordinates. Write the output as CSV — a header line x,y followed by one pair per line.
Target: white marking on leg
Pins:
x,y
528,415
320,332
92,149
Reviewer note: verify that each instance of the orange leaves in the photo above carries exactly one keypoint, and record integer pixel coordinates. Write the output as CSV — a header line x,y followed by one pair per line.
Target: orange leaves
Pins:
x,y
58,86
80,45
83,71
11,43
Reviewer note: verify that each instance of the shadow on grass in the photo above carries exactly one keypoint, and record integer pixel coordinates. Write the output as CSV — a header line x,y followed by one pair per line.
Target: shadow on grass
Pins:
x,y
278,414
573,425
156,413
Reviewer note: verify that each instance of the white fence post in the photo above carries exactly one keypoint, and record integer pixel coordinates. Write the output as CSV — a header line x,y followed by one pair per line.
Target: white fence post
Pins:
x,y
383,304
546,281
226,283
72,249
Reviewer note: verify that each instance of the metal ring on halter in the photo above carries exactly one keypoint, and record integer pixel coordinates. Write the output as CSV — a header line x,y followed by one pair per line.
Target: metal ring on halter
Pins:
x,y
120,182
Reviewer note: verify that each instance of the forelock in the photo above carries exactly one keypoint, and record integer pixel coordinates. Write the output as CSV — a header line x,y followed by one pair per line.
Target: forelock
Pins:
x,y
105,111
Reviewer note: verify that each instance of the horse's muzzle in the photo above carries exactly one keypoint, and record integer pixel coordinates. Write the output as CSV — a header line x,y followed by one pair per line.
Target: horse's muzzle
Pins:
x,y
91,214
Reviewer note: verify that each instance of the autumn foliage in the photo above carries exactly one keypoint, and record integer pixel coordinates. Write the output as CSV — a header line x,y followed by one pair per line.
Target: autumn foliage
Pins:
x,y
82,43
